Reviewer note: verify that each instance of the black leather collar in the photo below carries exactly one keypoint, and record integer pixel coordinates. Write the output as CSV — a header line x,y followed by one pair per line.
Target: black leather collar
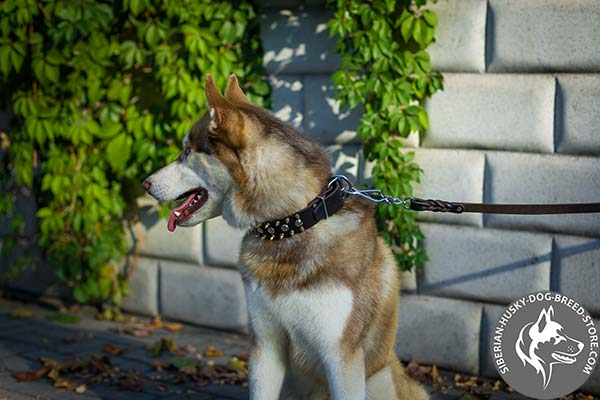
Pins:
x,y
327,203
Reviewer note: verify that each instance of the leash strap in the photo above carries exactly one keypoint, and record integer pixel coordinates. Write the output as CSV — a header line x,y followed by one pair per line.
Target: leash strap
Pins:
x,y
417,204
331,200
327,203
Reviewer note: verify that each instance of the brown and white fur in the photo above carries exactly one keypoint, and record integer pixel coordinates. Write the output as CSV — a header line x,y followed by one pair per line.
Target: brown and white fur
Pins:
x,y
322,303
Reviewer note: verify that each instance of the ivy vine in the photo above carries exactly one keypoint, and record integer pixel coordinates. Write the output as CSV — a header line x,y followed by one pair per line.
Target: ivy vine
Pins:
x,y
102,94
385,68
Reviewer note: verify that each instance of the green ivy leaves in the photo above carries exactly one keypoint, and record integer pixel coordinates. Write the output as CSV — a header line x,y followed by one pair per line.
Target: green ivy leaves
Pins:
x,y
386,68
102,94
417,26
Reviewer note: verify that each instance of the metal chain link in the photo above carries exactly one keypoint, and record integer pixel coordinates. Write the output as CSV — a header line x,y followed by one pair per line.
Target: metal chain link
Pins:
x,y
373,195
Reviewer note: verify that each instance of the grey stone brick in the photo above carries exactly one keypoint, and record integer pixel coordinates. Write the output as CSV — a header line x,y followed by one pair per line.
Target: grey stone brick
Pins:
x,y
445,332
297,42
453,175
323,119
211,297
492,111
484,264
460,36
287,100
491,315
154,240
576,267
143,283
532,178
592,385
221,243
578,114
544,35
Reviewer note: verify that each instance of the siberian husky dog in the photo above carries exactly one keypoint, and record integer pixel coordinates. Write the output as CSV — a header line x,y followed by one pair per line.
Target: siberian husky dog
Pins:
x,y
323,302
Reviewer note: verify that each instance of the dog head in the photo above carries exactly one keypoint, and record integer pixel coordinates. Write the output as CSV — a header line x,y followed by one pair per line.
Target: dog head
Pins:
x,y
240,161
544,343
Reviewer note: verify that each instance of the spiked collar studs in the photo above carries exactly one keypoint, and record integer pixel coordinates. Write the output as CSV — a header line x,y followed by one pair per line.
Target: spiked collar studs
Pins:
x,y
279,229
327,203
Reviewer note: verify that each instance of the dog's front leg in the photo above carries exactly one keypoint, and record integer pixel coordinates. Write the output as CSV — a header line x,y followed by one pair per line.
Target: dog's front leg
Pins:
x,y
346,375
268,352
266,366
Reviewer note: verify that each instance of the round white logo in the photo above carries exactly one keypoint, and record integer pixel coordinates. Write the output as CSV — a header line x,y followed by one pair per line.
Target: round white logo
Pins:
x,y
545,345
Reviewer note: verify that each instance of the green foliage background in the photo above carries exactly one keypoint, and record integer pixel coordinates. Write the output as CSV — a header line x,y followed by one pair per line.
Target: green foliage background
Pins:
x,y
102,94
386,68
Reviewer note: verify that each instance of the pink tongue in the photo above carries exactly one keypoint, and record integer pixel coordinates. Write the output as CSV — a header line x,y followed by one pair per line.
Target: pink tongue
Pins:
x,y
172,217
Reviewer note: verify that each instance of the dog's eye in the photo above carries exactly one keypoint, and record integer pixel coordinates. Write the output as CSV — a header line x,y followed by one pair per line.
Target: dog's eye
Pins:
x,y
558,339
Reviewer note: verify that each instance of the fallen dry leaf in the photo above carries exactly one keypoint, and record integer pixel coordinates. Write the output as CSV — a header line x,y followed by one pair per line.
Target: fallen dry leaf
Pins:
x,y
213,352
50,362
28,376
237,364
65,384
21,313
435,376
190,349
419,372
131,381
159,365
53,374
173,326
137,330
113,349
80,389
164,344
157,322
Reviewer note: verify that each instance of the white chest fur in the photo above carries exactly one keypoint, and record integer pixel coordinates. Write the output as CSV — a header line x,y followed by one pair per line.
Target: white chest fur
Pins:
x,y
314,319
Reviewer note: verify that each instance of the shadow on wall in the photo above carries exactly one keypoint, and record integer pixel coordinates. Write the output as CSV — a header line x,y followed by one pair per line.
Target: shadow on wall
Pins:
x,y
286,99
556,257
345,160
283,32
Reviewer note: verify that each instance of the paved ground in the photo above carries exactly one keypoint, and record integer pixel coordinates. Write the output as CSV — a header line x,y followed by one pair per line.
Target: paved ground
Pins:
x,y
81,347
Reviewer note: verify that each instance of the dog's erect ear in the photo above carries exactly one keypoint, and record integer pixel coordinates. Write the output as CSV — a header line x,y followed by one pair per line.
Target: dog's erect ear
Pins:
x,y
222,111
233,91
544,318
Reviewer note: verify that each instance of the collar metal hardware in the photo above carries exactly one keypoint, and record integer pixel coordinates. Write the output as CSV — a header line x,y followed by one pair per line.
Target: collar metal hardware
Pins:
x,y
373,195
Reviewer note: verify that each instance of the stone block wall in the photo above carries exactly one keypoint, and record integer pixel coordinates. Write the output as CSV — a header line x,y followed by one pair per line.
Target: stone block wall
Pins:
x,y
518,121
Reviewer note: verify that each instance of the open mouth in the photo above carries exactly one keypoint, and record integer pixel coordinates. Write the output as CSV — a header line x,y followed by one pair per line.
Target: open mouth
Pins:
x,y
563,358
194,200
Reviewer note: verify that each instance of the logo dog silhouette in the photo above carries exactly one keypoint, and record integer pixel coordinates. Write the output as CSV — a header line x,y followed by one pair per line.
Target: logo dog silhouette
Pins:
x,y
544,343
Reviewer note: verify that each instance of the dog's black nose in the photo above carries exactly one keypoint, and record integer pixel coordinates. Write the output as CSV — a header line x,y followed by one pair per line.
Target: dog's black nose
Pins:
x,y
147,184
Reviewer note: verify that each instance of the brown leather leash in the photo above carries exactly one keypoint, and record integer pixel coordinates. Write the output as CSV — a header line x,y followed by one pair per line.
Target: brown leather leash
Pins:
x,y
417,204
